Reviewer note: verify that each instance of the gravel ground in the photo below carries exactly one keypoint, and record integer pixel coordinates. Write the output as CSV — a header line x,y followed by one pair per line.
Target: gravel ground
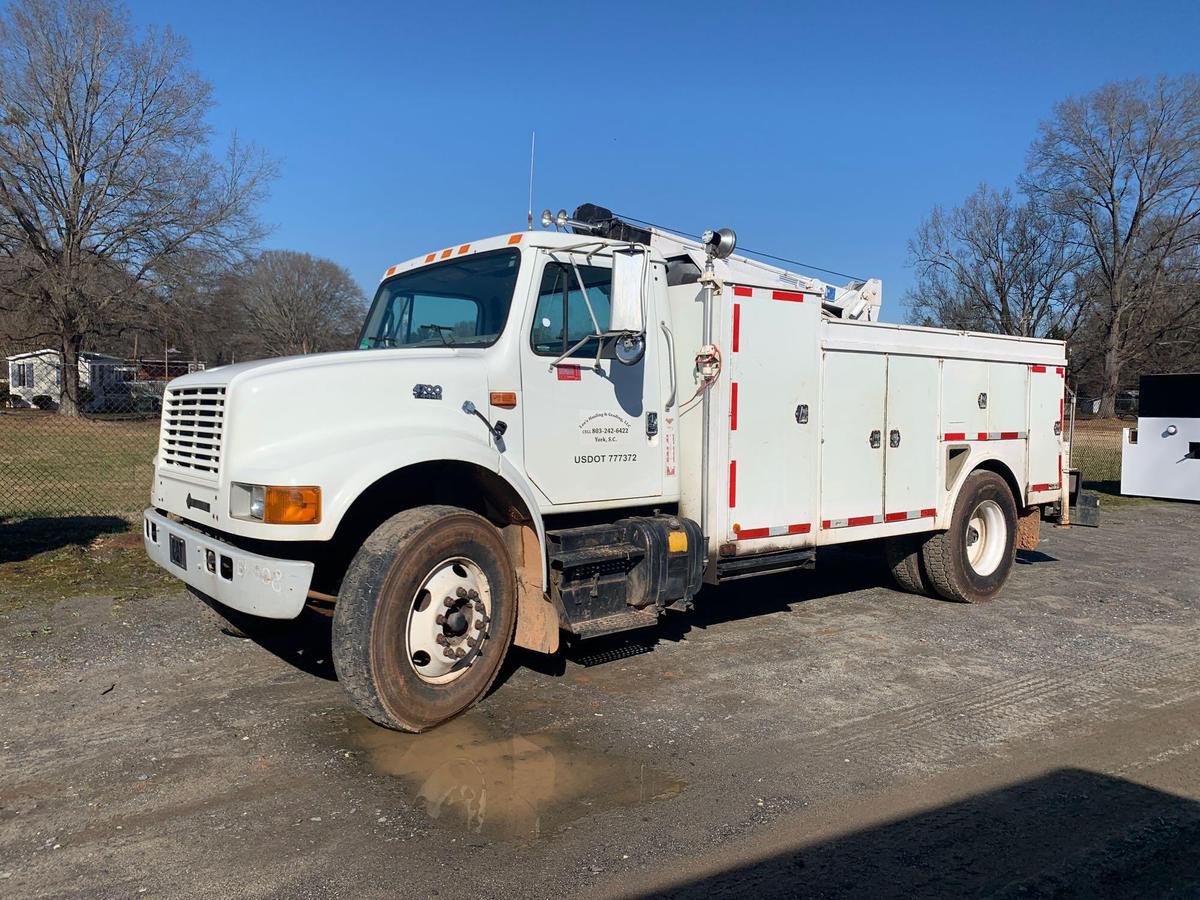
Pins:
x,y
816,734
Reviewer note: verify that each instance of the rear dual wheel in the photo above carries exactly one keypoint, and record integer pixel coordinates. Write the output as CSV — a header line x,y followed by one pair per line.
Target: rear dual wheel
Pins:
x,y
425,616
972,559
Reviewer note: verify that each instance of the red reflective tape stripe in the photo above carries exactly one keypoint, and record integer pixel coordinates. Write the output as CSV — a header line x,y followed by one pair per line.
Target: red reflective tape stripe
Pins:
x,y
981,436
929,514
896,517
1058,370
737,326
790,296
1009,435
733,407
1040,487
1038,368
749,534
825,523
742,291
860,520
800,529
956,436
732,483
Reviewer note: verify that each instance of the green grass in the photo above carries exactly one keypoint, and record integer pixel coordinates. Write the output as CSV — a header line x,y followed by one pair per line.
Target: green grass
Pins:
x,y
43,561
54,466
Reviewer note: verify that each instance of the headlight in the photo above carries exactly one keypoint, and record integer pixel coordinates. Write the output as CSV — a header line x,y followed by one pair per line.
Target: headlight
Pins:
x,y
276,504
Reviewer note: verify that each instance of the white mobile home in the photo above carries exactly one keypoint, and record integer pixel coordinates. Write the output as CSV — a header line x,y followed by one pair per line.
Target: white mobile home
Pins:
x,y
38,373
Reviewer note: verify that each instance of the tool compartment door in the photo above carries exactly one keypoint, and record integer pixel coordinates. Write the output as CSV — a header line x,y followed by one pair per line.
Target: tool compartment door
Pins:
x,y
964,399
1045,416
853,415
911,441
772,409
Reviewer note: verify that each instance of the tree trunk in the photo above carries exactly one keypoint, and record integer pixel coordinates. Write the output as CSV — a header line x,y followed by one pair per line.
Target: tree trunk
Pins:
x,y
68,403
1111,370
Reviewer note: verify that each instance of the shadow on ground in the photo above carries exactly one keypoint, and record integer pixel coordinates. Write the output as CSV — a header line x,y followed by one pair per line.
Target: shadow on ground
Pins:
x,y
306,645
1070,833
22,539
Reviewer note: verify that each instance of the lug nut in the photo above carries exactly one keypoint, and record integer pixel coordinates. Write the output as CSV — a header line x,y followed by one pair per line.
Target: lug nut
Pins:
x,y
473,594
441,620
479,605
462,592
448,653
440,638
460,652
448,602
472,642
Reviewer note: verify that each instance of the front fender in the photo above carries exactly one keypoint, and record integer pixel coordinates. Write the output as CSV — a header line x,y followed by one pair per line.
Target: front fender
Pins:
x,y
363,465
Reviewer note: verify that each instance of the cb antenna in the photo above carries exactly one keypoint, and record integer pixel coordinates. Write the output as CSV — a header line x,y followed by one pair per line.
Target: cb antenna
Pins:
x,y
532,151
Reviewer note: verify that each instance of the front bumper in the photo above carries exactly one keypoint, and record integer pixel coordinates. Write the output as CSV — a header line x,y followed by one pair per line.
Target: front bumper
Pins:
x,y
258,585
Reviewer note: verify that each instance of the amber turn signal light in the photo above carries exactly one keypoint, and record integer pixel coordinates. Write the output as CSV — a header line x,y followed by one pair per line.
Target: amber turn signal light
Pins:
x,y
292,505
504,399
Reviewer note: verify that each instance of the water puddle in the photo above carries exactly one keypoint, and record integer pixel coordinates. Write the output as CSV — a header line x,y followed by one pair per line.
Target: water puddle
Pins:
x,y
507,787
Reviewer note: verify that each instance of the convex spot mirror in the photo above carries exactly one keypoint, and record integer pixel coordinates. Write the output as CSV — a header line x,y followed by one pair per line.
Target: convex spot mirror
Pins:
x,y
631,269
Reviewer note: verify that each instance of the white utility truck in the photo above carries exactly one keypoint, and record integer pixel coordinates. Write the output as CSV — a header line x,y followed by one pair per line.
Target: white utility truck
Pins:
x,y
569,431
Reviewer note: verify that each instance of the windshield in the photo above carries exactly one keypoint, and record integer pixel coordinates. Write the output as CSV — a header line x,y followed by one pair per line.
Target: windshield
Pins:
x,y
459,303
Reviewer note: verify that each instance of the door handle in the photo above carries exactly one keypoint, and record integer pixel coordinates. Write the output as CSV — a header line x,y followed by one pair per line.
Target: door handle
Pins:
x,y
875,439
670,362
894,438
802,414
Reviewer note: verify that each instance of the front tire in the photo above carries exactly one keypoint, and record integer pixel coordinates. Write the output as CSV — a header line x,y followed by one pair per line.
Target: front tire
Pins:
x,y
425,616
971,561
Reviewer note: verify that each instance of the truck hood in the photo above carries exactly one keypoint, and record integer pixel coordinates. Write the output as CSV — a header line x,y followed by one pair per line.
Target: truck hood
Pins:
x,y
226,375
283,417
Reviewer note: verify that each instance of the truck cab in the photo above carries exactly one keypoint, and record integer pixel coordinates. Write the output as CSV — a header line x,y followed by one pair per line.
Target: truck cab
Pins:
x,y
568,432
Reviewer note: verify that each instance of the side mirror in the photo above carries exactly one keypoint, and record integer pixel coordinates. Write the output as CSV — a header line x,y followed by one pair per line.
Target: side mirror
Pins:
x,y
628,301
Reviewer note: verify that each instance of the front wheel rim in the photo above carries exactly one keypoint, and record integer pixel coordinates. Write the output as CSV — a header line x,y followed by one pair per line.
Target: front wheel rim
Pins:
x,y
987,537
449,621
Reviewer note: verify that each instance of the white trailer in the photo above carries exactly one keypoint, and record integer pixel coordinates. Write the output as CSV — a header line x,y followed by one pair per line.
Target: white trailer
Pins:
x,y
549,433
1161,456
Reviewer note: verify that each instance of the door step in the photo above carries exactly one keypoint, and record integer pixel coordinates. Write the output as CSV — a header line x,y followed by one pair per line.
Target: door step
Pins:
x,y
622,621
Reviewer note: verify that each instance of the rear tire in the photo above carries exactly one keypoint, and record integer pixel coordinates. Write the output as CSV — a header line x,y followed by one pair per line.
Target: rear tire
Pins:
x,y
903,555
426,581
970,562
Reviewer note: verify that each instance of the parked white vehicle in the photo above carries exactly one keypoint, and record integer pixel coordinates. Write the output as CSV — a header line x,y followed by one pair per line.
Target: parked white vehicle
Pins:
x,y
548,432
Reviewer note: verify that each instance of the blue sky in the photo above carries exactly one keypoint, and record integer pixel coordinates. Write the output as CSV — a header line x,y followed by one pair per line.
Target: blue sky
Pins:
x,y
820,132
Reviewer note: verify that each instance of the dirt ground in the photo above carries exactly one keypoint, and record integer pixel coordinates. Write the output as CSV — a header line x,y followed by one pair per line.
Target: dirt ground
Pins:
x,y
814,735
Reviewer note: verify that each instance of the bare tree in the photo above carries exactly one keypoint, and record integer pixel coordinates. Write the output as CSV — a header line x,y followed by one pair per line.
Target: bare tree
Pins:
x,y
1123,165
994,264
108,193
296,303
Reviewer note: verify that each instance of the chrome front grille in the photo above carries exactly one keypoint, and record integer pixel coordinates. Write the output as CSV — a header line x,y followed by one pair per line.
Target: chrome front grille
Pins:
x,y
193,424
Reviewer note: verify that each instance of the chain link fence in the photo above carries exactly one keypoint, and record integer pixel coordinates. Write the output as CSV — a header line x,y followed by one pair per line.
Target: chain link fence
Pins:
x,y
97,464
1096,444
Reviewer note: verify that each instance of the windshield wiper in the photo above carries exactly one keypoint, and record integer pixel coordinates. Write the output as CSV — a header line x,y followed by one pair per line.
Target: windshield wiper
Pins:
x,y
440,330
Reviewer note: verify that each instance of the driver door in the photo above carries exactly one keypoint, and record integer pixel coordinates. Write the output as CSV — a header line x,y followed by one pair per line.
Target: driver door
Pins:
x,y
592,428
